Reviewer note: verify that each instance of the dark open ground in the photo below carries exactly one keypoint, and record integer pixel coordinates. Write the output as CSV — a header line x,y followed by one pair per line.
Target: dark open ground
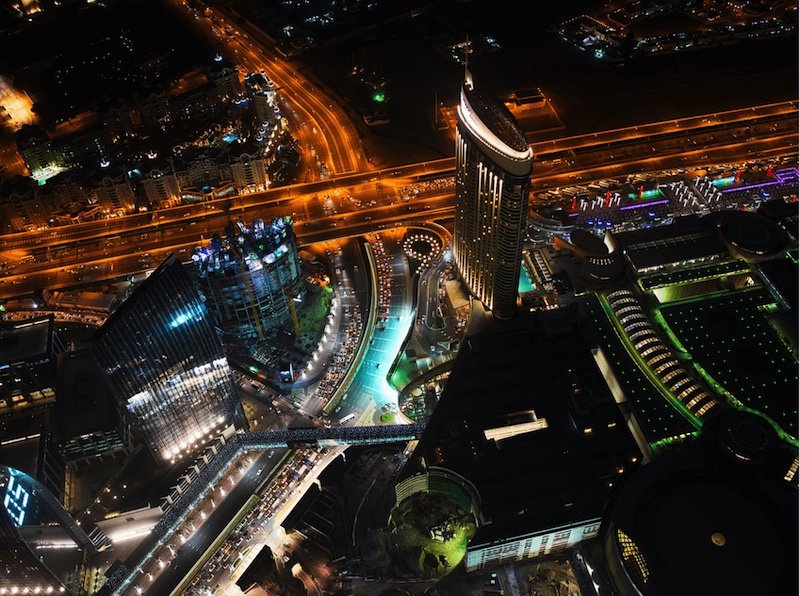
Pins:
x,y
589,94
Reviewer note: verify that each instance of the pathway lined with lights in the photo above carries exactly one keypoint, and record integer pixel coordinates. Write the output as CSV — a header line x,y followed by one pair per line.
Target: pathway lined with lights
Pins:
x,y
213,481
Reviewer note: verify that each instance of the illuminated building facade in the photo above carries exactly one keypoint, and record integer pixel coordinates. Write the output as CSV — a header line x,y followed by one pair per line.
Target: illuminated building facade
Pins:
x,y
248,168
251,277
42,549
493,169
165,364
42,156
264,98
160,183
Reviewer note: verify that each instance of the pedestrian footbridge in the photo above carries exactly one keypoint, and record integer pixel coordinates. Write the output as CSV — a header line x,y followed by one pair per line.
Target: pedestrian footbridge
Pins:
x,y
325,437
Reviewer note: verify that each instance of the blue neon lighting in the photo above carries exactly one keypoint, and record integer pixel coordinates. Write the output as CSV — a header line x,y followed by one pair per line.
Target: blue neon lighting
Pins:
x,y
16,502
184,317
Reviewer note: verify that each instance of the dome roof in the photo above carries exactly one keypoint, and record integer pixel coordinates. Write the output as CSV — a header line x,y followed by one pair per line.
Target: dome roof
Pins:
x,y
679,527
752,234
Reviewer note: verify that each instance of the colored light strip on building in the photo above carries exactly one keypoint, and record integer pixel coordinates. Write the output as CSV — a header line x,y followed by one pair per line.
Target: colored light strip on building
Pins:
x,y
724,181
784,176
641,205
648,194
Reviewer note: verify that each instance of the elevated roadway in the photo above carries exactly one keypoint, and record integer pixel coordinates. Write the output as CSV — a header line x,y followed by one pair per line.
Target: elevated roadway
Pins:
x,y
262,442
340,207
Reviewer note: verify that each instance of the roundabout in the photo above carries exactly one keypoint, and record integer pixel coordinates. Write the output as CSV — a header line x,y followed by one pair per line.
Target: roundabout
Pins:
x,y
422,248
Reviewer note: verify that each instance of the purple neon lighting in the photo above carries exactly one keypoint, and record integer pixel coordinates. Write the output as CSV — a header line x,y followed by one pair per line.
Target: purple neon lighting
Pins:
x,y
783,176
642,205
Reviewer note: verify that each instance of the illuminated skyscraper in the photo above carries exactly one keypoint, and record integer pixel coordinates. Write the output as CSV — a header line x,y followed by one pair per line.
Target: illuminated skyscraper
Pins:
x,y
251,277
165,364
493,169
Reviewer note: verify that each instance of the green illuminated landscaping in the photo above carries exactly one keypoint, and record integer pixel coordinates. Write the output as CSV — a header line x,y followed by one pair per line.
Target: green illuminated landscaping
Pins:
x,y
402,373
429,534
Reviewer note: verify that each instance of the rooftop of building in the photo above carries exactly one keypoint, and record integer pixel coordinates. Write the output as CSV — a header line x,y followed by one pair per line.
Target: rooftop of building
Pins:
x,y
240,147
259,81
219,63
159,162
680,227
25,340
497,118
687,239
113,171
84,402
780,211
732,342
535,368
259,241
171,262
27,376
82,299
193,153
752,234
658,419
22,454
703,501
19,185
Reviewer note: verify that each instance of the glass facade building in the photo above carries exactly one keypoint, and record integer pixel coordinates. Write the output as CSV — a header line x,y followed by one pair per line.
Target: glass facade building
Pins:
x,y
251,277
165,364
493,169
42,549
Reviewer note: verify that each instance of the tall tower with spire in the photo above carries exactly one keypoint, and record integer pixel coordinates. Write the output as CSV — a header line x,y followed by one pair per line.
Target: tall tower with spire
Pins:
x,y
493,172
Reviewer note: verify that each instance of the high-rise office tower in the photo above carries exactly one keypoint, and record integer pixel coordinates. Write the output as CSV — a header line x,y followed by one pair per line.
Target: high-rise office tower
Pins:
x,y
493,169
165,364
251,277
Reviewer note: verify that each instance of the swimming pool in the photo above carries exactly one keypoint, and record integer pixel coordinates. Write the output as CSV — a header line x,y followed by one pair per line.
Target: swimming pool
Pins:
x,y
525,283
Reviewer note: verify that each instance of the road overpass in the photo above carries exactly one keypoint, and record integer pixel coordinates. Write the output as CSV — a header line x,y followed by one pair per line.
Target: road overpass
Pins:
x,y
122,573
349,205
546,172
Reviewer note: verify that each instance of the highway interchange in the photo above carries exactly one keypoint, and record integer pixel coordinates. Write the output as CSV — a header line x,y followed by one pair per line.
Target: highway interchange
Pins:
x,y
119,247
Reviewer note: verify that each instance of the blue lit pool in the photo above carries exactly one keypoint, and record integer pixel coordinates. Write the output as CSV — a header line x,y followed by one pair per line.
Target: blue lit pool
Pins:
x,y
525,283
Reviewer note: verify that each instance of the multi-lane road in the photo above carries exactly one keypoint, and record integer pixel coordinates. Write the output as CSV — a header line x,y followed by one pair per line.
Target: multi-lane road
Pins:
x,y
113,248
744,133
353,199
327,136
178,556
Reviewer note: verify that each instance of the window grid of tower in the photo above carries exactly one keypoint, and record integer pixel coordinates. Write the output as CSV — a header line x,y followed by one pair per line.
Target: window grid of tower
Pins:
x,y
493,165
165,364
249,276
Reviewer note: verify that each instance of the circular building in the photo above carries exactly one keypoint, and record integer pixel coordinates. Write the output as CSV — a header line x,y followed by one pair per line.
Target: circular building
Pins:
x,y
600,258
251,277
742,437
434,518
752,235
679,525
